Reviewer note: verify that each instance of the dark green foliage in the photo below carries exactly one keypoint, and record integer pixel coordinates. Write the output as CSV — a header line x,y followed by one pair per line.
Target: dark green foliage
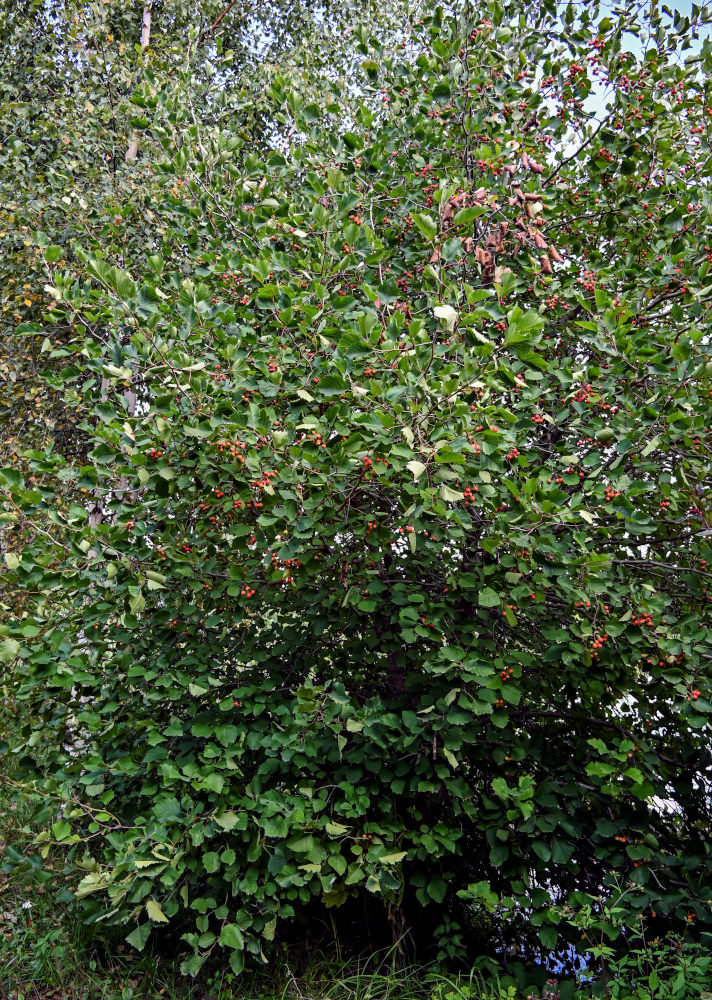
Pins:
x,y
391,573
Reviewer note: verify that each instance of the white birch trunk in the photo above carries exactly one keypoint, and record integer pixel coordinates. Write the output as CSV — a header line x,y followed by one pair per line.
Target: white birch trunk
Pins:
x,y
132,151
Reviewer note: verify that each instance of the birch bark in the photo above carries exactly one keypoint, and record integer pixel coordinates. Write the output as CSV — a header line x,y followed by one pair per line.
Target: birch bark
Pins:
x,y
132,151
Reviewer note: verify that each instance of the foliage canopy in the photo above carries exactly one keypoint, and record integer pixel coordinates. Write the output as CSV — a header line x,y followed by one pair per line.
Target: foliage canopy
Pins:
x,y
385,571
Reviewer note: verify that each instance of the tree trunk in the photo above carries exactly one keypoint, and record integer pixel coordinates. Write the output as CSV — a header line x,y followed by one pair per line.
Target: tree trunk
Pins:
x,y
132,151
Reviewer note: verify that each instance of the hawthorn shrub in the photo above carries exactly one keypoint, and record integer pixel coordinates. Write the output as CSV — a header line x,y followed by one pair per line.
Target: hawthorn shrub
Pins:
x,y
388,574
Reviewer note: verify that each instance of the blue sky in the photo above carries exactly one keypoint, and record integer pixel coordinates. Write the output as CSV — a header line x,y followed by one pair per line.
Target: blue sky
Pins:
x,y
598,98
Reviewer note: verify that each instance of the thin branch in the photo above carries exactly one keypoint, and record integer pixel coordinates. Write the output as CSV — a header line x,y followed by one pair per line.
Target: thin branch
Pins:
x,y
583,145
525,713
214,25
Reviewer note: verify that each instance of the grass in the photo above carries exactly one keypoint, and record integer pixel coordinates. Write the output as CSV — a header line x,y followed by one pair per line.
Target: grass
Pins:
x,y
46,953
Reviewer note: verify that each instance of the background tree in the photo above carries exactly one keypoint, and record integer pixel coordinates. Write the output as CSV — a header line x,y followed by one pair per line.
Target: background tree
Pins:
x,y
68,74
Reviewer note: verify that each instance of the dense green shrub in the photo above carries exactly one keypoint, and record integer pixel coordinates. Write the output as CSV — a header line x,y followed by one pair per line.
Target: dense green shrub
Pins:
x,y
391,576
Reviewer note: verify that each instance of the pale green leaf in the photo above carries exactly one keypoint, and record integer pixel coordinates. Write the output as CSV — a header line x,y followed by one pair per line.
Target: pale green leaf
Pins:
x,y
155,912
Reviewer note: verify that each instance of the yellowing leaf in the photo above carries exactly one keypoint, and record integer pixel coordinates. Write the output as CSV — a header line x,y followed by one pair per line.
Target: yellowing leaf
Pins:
x,y
155,913
447,314
417,468
449,494
228,820
392,859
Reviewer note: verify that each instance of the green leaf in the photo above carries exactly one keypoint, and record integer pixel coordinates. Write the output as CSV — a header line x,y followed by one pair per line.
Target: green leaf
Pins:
x,y
651,446
61,830
437,889
9,648
192,965
498,854
139,936
275,826
231,937
542,850
198,432
488,598
467,215
548,936
113,277
338,863
211,861
426,224
11,478
138,602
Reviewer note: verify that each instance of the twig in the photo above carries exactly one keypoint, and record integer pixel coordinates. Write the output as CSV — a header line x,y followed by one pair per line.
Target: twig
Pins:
x,y
525,713
214,25
583,145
